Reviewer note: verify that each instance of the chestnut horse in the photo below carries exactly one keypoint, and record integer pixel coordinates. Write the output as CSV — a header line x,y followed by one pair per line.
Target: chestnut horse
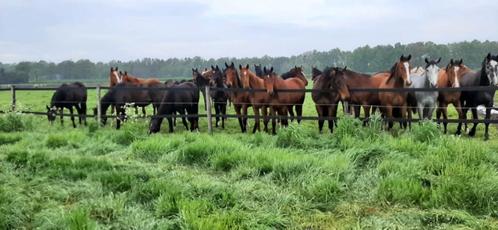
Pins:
x,y
114,77
260,100
239,99
330,88
282,101
296,72
398,77
450,77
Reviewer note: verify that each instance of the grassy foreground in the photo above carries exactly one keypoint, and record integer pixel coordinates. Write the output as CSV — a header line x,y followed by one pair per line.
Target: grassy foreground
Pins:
x,y
359,177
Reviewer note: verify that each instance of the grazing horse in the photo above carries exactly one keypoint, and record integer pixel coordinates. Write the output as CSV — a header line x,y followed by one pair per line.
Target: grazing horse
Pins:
x,y
183,98
450,77
68,96
398,77
120,95
425,101
220,97
330,88
296,72
487,76
258,70
260,100
282,101
239,99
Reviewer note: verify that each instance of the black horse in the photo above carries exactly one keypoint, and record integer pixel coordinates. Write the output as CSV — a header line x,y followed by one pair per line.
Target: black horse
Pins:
x,y
120,95
258,70
180,98
487,76
68,96
219,97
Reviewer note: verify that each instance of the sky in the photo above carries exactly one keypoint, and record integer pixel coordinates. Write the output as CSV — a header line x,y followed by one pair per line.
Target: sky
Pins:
x,y
104,30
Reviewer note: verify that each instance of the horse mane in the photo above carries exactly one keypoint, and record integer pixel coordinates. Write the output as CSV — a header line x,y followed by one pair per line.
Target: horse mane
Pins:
x,y
351,72
393,72
289,74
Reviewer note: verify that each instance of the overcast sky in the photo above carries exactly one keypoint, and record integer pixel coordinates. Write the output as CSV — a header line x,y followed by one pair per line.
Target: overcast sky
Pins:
x,y
103,30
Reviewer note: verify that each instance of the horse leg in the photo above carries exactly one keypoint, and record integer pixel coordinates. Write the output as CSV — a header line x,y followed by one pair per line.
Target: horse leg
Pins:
x,y
486,123
403,115
62,115
185,113
244,116
462,115
256,119
366,110
420,110
299,112
474,116
291,112
389,116
445,119
273,120
143,111
357,110
217,114
72,116
170,123
332,113
266,119
321,116
83,112
237,111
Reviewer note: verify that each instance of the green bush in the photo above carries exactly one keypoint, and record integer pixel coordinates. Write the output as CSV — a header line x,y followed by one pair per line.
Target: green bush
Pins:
x,y
426,132
153,148
56,141
12,122
292,136
79,219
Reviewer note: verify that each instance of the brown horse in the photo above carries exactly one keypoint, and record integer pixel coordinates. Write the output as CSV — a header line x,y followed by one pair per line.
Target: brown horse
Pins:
x,y
330,88
239,99
398,77
282,101
298,73
450,77
114,77
140,81
315,72
260,100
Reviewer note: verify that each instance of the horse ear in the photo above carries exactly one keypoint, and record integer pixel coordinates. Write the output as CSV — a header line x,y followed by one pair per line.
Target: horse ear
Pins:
x,y
409,57
126,73
116,68
232,65
426,61
240,66
247,66
271,69
438,60
264,69
460,62
112,68
451,61
489,56
402,58
345,67
193,70
212,67
226,65
217,68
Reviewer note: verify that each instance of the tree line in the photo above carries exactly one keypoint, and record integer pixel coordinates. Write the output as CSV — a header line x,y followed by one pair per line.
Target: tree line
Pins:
x,y
363,59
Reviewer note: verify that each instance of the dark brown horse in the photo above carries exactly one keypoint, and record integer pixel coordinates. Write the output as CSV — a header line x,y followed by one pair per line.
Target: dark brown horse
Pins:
x,y
398,77
450,77
68,96
315,72
239,99
260,100
219,97
258,70
330,88
282,101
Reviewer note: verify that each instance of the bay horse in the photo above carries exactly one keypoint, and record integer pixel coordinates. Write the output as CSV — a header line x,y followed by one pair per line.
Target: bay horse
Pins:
x,y
141,82
219,97
315,72
240,99
114,77
68,96
487,76
330,88
398,77
201,81
425,101
120,95
260,100
184,99
296,72
281,102
450,77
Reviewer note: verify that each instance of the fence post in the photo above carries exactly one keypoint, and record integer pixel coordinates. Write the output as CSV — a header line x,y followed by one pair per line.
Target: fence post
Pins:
x,y
207,101
13,92
99,110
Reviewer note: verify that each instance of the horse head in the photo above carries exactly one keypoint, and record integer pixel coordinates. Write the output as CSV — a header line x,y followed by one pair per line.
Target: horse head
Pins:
x,y
198,79
258,70
401,69
51,114
339,83
231,76
490,67
115,76
245,73
269,80
452,70
432,71
315,72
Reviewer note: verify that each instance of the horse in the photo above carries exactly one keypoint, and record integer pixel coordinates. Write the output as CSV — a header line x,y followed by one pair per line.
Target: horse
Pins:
x,y
398,77
258,70
259,99
114,77
219,97
329,88
68,96
120,95
296,72
315,72
201,81
450,77
183,97
282,101
425,101
418,71
487,76
239,99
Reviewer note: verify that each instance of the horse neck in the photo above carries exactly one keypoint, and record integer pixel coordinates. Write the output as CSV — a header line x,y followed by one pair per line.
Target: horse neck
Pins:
x,y
395,78
255,81
303,79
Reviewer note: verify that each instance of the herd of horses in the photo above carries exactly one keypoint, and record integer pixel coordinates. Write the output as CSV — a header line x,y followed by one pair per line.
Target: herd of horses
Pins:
x,y
281,97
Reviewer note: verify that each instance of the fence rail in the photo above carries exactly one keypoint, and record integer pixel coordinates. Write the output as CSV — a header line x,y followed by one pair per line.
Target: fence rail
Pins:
x,y
210,116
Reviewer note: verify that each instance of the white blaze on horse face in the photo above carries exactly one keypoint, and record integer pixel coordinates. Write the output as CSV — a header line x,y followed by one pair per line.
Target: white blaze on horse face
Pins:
x,y
432,73
456,84
407,69
494,74
119,79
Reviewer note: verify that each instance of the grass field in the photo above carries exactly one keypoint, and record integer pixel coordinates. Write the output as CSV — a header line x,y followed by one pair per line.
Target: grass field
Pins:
x,y
57,177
